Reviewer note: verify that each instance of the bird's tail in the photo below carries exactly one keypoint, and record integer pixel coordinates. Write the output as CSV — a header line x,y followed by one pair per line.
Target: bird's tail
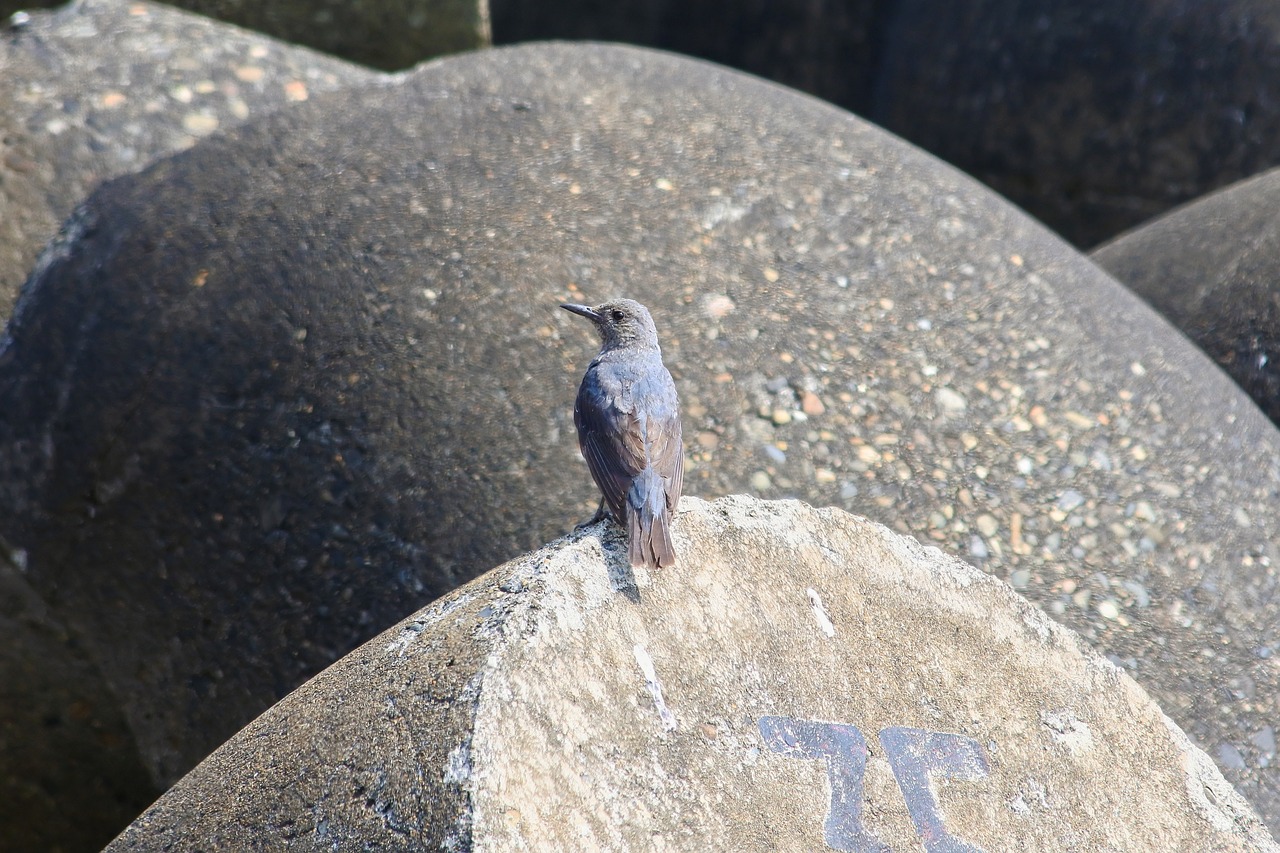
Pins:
x,y
649,523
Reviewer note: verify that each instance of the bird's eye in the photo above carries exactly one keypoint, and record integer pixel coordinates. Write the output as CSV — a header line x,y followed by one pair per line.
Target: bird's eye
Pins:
x,y
617,316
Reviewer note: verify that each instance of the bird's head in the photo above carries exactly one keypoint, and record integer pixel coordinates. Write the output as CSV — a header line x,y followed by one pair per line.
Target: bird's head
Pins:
x,y
621,323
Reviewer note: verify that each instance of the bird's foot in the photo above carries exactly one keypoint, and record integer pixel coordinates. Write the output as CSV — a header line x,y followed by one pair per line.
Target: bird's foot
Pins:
x,y
602,513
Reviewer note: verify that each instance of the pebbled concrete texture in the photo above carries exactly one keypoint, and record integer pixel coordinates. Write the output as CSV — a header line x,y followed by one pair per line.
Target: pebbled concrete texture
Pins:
x,y
98,89
1210,268
559,702
269,395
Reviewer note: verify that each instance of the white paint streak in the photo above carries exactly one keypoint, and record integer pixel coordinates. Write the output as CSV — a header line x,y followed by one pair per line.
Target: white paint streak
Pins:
x,y
655,688
457,768
1068,730
820,613
408,634
435,613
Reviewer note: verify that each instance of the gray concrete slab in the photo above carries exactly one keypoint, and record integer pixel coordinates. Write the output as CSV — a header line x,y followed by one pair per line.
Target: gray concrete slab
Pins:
x,y
804,680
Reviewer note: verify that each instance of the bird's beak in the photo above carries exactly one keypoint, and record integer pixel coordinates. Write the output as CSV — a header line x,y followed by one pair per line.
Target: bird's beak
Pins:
x,y
582,310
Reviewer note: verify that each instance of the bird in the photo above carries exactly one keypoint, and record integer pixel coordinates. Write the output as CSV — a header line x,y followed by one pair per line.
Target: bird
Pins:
x,y
628,420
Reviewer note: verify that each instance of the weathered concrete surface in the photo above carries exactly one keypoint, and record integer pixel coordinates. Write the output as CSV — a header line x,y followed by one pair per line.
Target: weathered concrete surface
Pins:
x,y
559,704
389,34
1092,115
100,88
278,390
1212,268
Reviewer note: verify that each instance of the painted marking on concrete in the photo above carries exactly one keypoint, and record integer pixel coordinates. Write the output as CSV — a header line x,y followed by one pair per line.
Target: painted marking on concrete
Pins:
x,y
845,751
916,756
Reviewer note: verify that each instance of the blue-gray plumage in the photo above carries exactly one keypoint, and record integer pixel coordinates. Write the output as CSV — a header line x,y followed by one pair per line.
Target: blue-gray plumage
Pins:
x,y
628,421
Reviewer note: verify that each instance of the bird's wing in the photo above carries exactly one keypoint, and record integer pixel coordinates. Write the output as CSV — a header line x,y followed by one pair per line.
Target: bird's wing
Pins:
x,y
611,442
615,413
675,482
666,449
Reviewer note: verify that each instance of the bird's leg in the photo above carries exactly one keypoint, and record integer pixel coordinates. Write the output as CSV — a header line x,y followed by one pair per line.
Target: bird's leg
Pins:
x,y
601,514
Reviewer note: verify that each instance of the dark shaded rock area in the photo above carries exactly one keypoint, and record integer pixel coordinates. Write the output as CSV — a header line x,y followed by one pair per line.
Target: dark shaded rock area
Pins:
x,y
1213,269
387,34
92,91
8,7
269,395
831,50
64,744
1091,115
101,88
544,707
